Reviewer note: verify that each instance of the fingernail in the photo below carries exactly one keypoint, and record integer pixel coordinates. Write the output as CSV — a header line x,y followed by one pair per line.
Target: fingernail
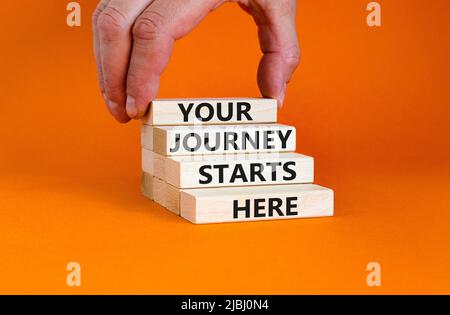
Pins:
x,y
132,109
282,96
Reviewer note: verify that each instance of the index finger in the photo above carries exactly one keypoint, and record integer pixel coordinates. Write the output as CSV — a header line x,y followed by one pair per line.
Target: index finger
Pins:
x,y
154,34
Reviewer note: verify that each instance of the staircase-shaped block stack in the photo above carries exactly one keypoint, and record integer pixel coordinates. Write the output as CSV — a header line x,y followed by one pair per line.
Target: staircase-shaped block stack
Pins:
x,y
227,160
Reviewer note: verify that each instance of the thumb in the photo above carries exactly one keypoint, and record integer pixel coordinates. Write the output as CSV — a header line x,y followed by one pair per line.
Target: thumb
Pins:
x,y
278,40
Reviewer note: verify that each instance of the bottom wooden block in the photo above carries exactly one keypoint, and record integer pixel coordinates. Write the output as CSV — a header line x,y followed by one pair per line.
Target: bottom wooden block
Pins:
x,y
147,185
234,204
161,192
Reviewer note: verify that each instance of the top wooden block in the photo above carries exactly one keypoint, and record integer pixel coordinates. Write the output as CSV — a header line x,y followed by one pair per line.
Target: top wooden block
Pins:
x,y
193,111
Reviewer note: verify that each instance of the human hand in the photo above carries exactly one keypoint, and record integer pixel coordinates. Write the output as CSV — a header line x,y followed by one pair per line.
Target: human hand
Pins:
x,y
133,41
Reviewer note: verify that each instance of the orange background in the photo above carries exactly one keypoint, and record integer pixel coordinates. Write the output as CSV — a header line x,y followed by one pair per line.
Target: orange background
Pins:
x,y
372,105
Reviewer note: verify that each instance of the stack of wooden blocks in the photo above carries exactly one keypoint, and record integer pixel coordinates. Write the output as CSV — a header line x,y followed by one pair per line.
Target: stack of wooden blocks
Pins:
x,y
227,160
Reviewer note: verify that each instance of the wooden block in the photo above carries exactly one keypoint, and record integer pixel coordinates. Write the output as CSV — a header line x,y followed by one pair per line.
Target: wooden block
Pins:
x,y
211,111
167,195
235,204
161,192
153,163
197,171
217,139
147,185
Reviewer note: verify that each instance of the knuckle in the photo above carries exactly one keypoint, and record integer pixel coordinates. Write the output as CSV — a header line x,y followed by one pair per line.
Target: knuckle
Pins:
x,y
292,56
111,23
148,26
95,16
98,10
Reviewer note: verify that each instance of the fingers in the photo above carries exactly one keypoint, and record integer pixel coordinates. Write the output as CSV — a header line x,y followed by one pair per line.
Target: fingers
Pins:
x,y
278,39
100,7
133,41
113,32
111,105
154,34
